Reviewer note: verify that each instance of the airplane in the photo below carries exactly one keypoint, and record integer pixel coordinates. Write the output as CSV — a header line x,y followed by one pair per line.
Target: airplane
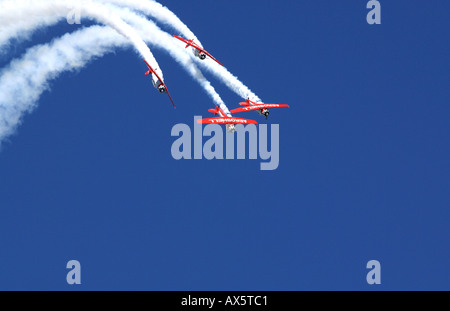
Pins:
x,y
263,109
157,82
224,119
198,50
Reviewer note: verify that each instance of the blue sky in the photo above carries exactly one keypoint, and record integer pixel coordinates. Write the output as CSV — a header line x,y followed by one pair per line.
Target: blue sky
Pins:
x,y
363,174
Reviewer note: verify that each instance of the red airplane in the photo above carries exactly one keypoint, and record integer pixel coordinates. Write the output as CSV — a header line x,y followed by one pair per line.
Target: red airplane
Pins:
x,y
224,119
198,50
158,82
262,108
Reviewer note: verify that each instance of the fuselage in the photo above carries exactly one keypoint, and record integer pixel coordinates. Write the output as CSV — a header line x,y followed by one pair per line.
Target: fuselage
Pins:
x,y
264,112
230,127
198,53
158,84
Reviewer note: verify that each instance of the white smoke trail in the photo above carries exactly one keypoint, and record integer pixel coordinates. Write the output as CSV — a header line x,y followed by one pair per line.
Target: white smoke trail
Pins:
x,y
158,38
164,41
228,79
38,18
158,12
16,23
10,115
32,14
22,83
163,14
24,80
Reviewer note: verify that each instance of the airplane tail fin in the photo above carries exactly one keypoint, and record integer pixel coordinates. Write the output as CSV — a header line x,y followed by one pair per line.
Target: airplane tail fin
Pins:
x,y
215,111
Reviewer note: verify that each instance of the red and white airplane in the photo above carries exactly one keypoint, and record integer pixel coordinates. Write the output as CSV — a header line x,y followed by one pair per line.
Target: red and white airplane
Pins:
x,y
198,50
262,108
158,82
224,119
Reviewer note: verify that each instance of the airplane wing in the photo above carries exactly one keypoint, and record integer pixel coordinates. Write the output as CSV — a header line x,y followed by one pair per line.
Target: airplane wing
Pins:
x,y
226,120
149,67
188,42
257,107
182,39
213,58
194,45
167,90
153,71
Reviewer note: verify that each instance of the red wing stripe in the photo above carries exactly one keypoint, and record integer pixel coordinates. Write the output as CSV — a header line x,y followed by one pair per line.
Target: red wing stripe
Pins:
x,y
149,67
167,90
158,77
212,57
193,44
257,107
179,38
226,120
196,46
